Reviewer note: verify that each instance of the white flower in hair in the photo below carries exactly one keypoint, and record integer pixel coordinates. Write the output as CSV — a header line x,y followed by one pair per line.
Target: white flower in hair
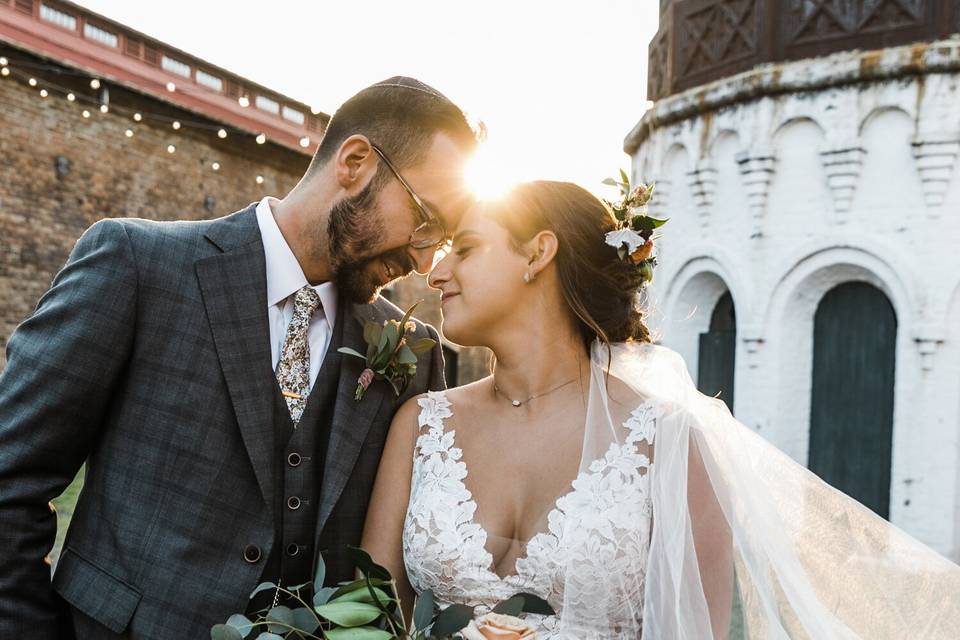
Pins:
x,y
626,236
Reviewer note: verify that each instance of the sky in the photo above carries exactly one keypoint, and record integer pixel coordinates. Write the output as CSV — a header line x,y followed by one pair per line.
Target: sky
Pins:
x,y
559,83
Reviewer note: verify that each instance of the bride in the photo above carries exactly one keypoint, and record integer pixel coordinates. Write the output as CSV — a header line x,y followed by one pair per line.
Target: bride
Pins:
x,y
589,471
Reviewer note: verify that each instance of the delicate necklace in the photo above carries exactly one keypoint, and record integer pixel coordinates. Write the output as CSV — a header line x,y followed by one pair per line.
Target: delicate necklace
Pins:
x,y
518,403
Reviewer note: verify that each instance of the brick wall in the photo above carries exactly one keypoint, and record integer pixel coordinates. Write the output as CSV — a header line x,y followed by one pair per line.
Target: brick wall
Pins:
x,y
109,175
112,175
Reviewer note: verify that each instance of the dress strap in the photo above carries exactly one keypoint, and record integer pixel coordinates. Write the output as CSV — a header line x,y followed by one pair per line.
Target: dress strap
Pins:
x,y
435,407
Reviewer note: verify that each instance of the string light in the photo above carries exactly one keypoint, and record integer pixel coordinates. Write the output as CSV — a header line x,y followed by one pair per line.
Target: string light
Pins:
x,y
315,111
95,83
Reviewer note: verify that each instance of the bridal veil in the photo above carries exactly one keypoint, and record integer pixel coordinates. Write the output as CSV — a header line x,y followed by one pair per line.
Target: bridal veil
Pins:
x,y
736,520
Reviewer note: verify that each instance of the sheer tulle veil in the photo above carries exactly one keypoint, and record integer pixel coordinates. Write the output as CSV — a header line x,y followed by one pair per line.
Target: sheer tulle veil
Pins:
x,y
735,518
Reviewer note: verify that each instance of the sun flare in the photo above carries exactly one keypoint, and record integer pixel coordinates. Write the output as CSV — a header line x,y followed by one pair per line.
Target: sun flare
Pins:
x,y
488,173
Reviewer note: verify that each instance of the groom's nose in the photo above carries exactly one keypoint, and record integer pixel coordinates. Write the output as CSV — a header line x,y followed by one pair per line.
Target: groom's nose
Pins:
x,y
422,259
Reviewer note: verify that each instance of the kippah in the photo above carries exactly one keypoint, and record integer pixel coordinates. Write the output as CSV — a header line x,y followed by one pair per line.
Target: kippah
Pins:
x,y
404,82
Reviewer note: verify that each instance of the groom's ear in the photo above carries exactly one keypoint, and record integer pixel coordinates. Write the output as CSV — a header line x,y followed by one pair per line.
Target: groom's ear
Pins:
x,y
542,249
354,162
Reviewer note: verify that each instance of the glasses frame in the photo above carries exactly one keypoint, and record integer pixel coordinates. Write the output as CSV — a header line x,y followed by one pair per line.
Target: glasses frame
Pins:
x,y
427,217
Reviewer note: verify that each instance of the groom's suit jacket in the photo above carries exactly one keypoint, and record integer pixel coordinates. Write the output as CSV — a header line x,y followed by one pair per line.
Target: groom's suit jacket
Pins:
x,y
149,359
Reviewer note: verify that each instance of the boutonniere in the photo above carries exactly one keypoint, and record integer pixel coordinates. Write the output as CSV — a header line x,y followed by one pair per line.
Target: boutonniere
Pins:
x,y
389,355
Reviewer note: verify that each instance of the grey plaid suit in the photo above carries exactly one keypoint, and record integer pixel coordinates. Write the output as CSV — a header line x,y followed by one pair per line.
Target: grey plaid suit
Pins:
x,y
149,358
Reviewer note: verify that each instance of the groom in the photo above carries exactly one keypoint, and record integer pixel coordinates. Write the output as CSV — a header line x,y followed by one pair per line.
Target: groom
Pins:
x,y
194,367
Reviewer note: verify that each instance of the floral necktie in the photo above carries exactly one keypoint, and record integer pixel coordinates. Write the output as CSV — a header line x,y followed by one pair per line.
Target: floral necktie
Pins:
x,y
293,370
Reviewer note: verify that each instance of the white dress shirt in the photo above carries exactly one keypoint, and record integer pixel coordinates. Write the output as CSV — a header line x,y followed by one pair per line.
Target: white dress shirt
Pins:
x,y
284,278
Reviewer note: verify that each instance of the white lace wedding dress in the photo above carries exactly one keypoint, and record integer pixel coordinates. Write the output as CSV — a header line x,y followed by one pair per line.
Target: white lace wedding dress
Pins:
x,y
647,539
603,523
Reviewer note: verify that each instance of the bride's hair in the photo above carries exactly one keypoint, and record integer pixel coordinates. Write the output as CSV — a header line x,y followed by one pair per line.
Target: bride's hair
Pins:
x,y
601,290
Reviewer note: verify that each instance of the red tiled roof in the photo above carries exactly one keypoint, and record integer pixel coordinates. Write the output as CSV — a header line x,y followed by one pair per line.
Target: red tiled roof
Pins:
x,y
76,37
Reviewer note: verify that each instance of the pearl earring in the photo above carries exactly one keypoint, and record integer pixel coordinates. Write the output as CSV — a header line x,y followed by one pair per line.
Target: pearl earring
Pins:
x,y
527,278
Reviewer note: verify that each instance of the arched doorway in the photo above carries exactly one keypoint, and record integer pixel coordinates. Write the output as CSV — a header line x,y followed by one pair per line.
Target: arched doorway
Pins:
x,y
717,354
851,408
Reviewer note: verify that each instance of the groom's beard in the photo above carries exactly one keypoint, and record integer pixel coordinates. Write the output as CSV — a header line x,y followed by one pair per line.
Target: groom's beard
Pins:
x,y
355,228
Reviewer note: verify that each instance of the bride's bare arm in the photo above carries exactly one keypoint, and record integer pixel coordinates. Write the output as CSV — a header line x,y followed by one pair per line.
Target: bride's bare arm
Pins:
x,y
383,530
713,543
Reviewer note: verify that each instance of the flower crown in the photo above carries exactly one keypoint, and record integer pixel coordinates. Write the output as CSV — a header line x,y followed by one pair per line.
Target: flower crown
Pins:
x,y
633,238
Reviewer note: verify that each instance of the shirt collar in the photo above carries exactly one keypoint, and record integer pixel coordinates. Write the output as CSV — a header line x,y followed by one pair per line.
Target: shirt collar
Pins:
x,y
284,274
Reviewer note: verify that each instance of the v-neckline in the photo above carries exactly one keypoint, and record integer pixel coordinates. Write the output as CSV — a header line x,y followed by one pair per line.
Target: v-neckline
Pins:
x,y
490,566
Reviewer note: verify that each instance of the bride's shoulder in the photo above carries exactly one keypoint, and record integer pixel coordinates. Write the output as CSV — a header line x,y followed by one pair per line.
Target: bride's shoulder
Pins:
x,y
441,403
469,396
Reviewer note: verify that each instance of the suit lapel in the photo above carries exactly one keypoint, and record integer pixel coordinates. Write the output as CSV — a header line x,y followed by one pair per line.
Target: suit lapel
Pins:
x,y
234,288
352,419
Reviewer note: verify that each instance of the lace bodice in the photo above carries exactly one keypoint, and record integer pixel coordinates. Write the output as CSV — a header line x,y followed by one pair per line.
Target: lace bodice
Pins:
x,y
591,560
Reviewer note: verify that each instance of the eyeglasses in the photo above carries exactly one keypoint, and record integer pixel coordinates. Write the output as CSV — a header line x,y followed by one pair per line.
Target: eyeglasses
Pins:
x,y
430,233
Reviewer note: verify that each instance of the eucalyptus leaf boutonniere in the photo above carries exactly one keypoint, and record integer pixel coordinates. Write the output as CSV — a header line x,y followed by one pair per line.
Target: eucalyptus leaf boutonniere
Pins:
x,y
389,355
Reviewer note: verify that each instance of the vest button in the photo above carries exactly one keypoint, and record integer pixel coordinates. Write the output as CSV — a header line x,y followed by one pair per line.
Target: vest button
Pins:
x,y
293,502
293,549
251,553
294,459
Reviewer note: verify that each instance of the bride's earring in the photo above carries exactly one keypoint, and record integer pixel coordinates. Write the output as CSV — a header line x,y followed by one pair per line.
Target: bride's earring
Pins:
x,y
528,277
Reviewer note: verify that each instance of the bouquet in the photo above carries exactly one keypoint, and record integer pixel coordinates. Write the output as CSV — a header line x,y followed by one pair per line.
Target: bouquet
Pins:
x,y
369,609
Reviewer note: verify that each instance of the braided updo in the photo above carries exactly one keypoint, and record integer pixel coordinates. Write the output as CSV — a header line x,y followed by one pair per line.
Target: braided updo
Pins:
x,y
600,289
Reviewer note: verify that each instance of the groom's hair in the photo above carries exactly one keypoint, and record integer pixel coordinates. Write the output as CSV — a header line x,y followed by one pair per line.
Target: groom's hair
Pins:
x,y
401,116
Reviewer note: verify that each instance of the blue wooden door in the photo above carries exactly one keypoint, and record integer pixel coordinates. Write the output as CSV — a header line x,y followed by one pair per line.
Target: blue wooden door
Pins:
x,y
716,360
851,409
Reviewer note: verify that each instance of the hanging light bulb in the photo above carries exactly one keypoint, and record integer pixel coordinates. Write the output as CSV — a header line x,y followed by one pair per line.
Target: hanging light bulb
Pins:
x,y
32,82
259,179
128,133
85,114
3,61
171,87
4,71
71,97
244,101
315,110
176,125
104,108
137,117
215,166
261,138
305,141
94,84
171,148
222,133
43,93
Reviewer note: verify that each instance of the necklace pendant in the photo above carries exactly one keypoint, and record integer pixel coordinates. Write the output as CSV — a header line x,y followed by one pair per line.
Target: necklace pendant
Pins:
x,y
516,403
